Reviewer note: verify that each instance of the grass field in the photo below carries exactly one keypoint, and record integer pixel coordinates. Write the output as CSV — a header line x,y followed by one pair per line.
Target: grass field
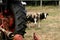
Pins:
x,y
49,28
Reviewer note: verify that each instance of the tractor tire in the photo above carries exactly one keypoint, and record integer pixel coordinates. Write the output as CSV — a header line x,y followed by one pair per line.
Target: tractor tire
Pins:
x,y
20,18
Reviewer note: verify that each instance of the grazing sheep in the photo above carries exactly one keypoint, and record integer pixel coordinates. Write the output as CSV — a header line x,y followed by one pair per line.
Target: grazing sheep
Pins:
x,y
34,17
43,16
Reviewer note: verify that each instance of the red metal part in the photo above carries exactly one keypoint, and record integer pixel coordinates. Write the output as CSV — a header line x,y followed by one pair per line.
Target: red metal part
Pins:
x,y
10,20
6,20
1,15
18,37
6,11
36,37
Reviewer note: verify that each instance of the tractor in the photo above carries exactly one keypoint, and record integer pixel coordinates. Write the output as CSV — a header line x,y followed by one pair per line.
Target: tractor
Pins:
x,y
12,19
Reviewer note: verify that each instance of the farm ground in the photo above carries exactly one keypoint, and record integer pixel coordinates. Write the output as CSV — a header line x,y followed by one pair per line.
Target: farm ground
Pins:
x,y
49,28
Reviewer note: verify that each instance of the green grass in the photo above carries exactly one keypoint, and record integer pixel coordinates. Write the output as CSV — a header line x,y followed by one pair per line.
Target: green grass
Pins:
x,y
49,28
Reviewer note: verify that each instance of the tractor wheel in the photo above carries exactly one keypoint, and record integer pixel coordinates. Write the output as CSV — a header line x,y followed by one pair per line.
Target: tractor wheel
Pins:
x,y
20,18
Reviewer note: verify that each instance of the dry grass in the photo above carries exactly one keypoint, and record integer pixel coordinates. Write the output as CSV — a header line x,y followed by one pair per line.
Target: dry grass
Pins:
x,y
49,28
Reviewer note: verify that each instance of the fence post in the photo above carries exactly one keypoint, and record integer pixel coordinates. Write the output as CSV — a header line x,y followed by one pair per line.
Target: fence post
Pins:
x,y
59,2
40,2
